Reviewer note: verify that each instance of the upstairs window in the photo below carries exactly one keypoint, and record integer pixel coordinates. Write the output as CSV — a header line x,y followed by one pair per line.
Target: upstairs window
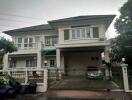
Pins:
x,y
51,40
78,33
81,33
19,42
73,34
88,35
25,42
66,34
28,42
95,32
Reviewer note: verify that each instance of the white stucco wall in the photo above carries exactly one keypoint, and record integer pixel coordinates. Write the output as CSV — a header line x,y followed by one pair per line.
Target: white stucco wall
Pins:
x,y
77,63
99,23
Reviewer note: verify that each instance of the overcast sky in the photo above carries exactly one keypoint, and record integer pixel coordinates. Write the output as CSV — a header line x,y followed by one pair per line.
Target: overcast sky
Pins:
x,y
22,13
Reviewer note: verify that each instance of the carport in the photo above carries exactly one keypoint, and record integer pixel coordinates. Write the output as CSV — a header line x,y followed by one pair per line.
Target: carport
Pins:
x,y
77,60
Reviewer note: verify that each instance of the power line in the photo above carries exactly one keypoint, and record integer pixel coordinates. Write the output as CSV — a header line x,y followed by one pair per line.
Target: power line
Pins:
x,y
15,15
14,20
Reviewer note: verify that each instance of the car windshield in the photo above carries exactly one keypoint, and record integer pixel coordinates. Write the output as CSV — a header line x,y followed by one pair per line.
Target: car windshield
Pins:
x,y
92,69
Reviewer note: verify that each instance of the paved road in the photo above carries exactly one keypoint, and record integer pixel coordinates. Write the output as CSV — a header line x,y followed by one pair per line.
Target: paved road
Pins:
x,y
76,95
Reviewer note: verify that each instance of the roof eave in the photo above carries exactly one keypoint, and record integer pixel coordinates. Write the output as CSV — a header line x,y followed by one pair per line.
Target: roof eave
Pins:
x,y
61,21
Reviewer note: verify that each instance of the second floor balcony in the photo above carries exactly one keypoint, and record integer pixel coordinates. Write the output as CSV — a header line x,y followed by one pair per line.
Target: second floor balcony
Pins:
x,y
31,43
22,46
36,46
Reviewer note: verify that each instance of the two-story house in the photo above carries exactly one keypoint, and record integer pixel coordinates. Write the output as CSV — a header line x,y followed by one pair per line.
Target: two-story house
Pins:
x,y
69,45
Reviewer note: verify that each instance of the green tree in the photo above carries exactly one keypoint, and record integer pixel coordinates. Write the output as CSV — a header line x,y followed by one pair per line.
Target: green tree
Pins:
x,y
123,24
122,44
5,47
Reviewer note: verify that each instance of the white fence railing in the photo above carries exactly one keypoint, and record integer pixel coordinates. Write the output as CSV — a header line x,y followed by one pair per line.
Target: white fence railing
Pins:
x,y
25,76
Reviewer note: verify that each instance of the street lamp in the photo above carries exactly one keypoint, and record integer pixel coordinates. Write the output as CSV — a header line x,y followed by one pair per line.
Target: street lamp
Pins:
x,y
45,63
123,59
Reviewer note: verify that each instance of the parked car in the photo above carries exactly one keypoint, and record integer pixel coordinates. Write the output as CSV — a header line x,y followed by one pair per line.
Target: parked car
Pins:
x,y
93,72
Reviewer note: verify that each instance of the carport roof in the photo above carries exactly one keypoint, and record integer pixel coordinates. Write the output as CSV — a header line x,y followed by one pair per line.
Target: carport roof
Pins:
x,y
49,52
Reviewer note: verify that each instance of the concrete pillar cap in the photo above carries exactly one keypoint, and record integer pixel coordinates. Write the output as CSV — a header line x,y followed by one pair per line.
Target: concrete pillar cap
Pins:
x,y
124,65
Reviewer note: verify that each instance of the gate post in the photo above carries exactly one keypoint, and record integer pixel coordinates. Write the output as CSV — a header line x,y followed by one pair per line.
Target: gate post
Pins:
x,y
45,81
125,77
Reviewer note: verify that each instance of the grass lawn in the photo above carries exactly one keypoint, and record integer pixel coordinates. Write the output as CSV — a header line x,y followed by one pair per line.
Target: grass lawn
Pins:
x,y
119,81
130,82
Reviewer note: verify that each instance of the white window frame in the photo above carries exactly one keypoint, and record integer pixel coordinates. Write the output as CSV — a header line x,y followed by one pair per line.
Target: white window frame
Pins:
x,y
54,62
17,43
51,40
81,37
28,42
32,63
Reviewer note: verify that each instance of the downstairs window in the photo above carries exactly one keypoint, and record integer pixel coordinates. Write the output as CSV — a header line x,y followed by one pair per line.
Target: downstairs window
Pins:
x,y
31,63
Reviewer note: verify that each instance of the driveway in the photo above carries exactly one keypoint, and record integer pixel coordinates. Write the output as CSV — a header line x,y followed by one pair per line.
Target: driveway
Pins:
x,y
83,84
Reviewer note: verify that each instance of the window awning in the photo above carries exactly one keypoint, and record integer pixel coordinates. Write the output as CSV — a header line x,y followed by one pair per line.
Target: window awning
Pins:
x,y
49,52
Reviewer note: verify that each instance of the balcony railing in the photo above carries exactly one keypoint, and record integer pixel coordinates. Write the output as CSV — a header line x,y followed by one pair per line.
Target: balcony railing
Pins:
x,y
30,46
33,46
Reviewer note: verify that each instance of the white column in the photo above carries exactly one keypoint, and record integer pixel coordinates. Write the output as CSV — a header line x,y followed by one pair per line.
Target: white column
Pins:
x,y
26,76
107,59
62,63
125,77
39,45
5,62
39,59
58,58
106,52
58,55
43,87
45,79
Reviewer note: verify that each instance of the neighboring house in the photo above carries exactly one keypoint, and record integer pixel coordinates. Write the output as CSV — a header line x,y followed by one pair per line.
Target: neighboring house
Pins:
x,y
69,45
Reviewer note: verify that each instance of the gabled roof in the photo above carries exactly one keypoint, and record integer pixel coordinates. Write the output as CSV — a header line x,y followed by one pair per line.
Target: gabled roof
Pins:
x,y
32,28
88,17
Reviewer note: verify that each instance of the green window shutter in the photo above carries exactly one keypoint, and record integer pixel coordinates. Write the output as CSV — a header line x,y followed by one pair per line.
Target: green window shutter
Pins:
x,y
15,63
66,34
95,32
27,63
